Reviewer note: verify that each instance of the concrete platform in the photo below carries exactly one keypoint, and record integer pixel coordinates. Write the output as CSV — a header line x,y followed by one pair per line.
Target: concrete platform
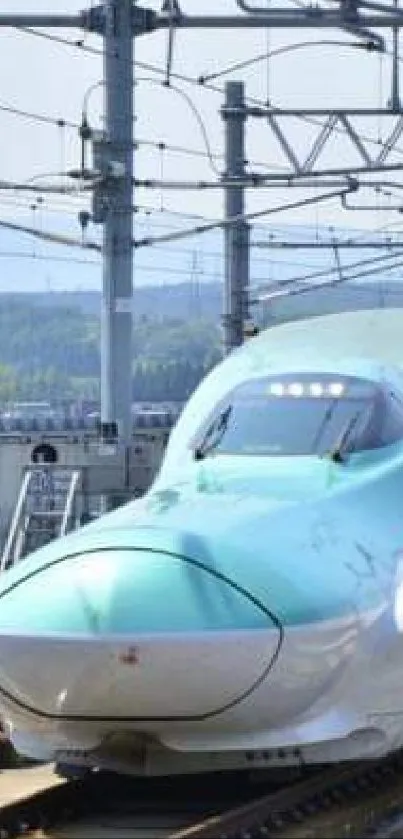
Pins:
x,y
16,784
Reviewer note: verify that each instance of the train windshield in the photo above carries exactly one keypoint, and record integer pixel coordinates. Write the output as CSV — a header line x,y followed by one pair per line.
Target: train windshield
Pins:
x,y
301,414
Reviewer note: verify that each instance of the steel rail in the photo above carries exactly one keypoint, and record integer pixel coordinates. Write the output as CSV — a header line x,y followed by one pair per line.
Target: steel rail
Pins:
x,y
272,813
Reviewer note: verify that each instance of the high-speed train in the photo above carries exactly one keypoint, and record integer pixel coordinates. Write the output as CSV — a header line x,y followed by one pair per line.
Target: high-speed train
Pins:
x,y
248,610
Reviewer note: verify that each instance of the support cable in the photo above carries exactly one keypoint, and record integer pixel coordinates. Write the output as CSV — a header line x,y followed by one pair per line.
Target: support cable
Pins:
x,y
291,292
56,238
189,79
176,235
204,228
249,62
195,111
325,272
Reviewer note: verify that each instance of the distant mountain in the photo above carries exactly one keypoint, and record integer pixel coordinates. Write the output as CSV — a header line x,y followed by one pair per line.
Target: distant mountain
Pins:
x,y
50,343
186,301
182,301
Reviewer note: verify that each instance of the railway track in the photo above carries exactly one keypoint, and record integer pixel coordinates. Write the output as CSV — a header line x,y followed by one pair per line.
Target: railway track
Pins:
x,y
362,800
112,806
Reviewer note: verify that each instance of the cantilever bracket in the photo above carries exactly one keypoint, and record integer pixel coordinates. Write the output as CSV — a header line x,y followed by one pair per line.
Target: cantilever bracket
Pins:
x,y
349,10
374,42
350,14
374,207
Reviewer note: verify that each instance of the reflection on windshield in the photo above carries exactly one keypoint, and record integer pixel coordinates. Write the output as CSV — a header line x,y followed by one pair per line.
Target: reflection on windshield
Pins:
x,y
276,427
340,448
214,434
301,415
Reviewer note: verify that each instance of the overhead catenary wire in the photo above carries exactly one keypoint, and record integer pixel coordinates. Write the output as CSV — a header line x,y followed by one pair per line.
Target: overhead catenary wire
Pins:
x,y
56,238
294,290
286,48
204,228
62,204
216,254
11,200
295,230
353,240
173,270
334,270
169,237
139,141
176,251
35,257
60,122
147,66
145,269
161,145
187,272
154,69
280,285
195,111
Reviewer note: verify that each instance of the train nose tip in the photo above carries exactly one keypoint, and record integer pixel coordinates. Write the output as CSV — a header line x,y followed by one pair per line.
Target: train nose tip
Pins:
x,y
133,634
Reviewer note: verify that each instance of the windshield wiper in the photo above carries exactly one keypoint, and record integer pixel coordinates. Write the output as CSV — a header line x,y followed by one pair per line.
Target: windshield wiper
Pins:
x,y
213,435
324,423
336,453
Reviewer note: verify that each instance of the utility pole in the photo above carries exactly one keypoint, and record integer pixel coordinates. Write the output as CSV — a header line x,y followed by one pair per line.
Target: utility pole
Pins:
x,y
116,21
395,103
236,235
116,316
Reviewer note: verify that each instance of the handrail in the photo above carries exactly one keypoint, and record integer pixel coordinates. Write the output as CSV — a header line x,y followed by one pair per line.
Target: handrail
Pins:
x,y
15,522
69,501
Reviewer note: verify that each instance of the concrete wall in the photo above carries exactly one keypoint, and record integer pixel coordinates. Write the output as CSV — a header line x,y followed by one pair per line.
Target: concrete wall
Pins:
x,y
107,469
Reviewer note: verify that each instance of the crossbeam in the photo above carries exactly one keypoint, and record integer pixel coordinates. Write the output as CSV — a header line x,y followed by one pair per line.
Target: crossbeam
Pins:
x,y
146,20
336,120
312,18
45,20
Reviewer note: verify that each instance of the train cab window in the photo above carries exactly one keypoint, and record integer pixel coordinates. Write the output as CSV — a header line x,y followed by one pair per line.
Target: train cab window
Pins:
x,y
301,414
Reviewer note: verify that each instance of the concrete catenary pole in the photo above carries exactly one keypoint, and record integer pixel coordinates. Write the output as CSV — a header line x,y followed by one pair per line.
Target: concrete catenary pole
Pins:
x,y
116,350
236,235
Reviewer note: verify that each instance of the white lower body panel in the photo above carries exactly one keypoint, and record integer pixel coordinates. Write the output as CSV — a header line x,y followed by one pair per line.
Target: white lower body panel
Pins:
x,y
156,705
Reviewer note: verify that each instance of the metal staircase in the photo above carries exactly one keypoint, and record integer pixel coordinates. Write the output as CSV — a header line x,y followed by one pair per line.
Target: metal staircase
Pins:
x,y
46,508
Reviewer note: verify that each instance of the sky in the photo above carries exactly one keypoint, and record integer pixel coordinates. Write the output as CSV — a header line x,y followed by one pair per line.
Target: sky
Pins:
x,y
49,79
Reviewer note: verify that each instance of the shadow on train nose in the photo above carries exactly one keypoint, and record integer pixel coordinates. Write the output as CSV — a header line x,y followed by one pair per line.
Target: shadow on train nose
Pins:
x,y
133,634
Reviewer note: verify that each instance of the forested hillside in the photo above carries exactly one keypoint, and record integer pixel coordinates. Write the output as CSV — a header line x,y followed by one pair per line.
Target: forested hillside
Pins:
x,y
179,300
50,349
50,343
